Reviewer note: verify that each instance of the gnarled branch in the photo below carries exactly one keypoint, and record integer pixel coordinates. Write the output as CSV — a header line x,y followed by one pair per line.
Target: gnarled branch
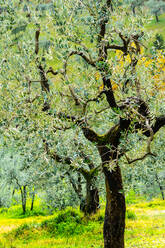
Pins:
x,y
82,55
148,150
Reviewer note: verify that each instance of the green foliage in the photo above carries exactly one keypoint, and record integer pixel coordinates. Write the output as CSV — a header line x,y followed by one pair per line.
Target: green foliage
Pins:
x,y
159,42
131,215
20,230
101,218
59,194
69,42
66,223
156,7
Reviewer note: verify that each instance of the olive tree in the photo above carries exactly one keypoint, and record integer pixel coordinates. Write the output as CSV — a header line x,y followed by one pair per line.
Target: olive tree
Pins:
x,y
147,177
23,173
86,168
76,65
156,7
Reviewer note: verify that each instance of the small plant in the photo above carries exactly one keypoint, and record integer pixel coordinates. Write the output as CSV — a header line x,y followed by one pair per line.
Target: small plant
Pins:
x,y
130,215
100,218
66,223
159,42
68,216
20,230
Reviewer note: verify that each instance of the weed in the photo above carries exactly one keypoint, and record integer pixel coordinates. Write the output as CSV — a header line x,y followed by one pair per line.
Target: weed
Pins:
x,y
100,218
66,223
130,215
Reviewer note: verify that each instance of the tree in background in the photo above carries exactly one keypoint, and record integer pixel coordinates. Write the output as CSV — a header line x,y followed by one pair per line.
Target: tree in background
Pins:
x,y
135,4
25,174
147,177
89,171
156,7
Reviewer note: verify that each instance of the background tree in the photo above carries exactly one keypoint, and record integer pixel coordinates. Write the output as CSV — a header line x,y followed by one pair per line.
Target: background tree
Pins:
x,y
156,7
82,164
23,171
135,4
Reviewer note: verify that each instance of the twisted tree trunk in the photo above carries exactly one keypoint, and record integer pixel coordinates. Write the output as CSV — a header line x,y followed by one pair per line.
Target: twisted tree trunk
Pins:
x,y
114,223
107,145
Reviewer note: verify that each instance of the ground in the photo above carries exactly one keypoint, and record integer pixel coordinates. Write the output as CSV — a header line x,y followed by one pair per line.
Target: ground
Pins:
x,y
157,27
145,228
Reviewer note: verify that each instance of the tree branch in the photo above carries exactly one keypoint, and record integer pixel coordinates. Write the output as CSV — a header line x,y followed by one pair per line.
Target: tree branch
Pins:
x,y
148,150
116,47
81,54
37,34
159,122
138,159
78,101
44,80
50,70
90,134
66,160
109,93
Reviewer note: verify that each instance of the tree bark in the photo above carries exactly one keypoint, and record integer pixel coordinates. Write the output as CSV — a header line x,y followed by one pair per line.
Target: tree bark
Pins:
x,y
157,18
107,145
23,198
160,186
32,202
114,223
92,198
133,10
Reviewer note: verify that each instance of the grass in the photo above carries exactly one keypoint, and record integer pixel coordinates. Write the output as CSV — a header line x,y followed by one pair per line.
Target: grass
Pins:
x,y
157,27
145,228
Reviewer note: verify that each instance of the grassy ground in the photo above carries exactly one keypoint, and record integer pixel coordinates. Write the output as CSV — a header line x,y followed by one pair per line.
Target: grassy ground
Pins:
x,y
145,228
157,27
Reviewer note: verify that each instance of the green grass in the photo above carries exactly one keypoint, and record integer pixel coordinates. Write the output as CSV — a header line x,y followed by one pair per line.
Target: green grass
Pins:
x,y
157,27
145,228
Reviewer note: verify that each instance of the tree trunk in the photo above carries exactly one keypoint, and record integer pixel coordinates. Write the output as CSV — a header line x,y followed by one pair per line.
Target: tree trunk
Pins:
x,y
32,202
162,192
133,10
92,198
23,198
107,145
114,223
157,18
13,192
160,186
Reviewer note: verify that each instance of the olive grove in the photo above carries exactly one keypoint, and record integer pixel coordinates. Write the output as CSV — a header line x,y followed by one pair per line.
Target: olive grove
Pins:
x,y
75,69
